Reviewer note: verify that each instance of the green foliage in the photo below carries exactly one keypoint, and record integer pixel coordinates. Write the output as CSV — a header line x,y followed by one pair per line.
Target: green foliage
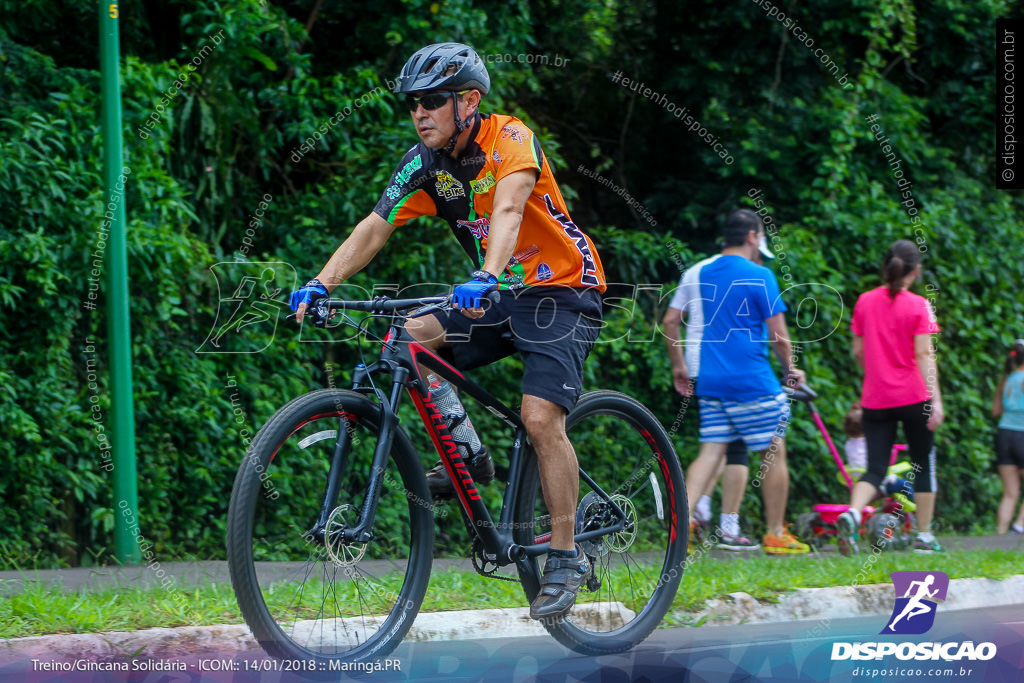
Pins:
x,y
262,79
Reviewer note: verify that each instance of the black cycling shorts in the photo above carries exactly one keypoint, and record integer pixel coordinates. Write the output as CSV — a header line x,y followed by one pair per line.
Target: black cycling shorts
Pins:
x,y
1010,447
553,328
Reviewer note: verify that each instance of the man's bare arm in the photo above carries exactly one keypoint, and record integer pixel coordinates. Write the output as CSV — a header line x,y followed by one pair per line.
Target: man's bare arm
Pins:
x,y
510,195
353,255
681,379
778,336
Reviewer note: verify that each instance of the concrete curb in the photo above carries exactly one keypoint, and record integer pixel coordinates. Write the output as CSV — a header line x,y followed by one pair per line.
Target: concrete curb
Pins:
x,y
844,602
805,604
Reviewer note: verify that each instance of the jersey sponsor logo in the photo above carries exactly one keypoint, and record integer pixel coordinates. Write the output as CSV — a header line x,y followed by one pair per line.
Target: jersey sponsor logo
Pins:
x,y
513,281
448,187
544,272
402,177
513,133
524,255
483,185
589,275
393,192
480,227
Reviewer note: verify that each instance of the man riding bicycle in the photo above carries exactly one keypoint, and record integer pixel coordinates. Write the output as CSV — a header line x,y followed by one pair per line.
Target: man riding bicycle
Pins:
x,y
486,176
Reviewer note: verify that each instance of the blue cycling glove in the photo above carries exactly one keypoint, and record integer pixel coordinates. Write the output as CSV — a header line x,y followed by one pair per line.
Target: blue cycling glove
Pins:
x,y
314,289
470,293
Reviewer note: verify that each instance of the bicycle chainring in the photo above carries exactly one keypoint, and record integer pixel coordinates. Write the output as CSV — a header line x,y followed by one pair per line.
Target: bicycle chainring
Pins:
x,y
482,565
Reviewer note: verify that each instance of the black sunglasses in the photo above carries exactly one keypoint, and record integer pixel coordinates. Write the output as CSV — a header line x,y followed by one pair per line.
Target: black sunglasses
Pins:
x,y
430,101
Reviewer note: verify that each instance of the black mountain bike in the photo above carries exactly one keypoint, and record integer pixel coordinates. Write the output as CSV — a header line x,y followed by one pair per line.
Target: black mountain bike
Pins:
x,y
330,526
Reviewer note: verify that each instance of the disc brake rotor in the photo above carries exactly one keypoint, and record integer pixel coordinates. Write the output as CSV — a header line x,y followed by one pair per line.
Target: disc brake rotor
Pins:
x,y
342,554
593,513
623,540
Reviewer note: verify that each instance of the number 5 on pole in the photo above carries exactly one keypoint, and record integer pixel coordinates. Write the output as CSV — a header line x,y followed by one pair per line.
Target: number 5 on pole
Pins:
x,y
113,10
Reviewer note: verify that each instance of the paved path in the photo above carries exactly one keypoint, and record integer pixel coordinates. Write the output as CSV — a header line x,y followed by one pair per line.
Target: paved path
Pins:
x,y
205,573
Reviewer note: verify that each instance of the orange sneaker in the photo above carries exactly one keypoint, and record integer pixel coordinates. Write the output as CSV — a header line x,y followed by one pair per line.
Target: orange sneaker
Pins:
x,y
700,533
785,544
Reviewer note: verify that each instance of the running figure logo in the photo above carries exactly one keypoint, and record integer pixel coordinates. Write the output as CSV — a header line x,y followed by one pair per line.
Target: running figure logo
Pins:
x,y
246,320
917,594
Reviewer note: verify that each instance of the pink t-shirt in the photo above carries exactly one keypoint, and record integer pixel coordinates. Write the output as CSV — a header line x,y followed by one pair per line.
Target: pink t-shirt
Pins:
x,y
888,326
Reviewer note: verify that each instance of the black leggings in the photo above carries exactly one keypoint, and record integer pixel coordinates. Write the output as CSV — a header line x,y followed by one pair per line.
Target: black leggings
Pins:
x,y
880,432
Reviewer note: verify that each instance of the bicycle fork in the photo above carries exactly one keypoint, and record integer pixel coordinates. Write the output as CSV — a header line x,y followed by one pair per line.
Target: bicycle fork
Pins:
x,y
363,532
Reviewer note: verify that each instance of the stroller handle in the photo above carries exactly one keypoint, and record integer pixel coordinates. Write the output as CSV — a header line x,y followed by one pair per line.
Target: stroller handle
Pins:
x,y
802,393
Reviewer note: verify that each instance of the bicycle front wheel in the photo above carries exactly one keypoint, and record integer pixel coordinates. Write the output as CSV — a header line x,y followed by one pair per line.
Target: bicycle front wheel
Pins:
x,y
637,571
305,592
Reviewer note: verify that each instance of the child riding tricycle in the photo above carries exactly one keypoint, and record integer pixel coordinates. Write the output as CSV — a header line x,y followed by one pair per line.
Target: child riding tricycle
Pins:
x,y
888,526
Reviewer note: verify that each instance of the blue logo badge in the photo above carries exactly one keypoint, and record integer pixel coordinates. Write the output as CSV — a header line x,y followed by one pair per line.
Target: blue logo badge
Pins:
x,y
917,594
544,272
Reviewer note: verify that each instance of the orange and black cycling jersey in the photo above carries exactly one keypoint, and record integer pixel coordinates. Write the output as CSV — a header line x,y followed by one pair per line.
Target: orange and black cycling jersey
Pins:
x,y
550,250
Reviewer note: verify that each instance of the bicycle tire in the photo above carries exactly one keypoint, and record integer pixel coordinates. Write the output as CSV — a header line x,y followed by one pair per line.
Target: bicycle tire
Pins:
x,y
300,602
627,452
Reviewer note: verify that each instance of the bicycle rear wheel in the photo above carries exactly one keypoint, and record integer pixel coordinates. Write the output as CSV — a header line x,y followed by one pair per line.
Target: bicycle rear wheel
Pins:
x,y
322,598
624,448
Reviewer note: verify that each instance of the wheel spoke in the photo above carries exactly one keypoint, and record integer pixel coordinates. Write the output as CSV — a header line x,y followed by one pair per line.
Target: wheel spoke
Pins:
x,y
329,598
623,449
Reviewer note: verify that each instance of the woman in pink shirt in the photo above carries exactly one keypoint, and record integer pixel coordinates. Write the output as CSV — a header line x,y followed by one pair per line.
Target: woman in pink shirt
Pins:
x,y
892,330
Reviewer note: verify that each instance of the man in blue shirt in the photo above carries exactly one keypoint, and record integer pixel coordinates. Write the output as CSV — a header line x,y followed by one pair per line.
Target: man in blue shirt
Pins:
x,y
734,307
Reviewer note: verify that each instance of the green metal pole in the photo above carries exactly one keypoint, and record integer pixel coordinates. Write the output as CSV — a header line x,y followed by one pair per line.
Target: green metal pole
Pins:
x,y
115,176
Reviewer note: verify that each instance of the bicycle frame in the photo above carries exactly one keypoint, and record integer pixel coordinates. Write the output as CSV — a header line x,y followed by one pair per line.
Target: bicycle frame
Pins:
x,y
407,361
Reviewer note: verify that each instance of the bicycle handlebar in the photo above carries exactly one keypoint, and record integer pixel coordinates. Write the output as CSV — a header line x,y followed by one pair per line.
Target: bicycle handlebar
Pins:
x,y
379,304
321,308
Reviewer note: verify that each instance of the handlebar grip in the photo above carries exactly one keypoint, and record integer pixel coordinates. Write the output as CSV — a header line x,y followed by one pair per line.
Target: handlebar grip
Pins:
x,y
494,297
807,389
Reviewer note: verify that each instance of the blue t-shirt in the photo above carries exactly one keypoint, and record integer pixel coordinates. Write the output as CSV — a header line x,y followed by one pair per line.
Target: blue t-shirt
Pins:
x,y
1013,402
727,299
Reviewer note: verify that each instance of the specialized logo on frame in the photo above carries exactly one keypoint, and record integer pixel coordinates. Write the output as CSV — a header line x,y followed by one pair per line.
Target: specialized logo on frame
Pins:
x,y
918,595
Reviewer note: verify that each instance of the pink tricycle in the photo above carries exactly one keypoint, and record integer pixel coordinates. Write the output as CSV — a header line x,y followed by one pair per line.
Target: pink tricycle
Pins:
x,y
889,526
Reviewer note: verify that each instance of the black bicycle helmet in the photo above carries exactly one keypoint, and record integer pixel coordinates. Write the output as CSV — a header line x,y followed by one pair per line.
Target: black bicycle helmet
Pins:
x,y
430,69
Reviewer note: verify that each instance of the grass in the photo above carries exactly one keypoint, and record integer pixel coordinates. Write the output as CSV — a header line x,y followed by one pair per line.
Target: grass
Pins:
x,y
39,609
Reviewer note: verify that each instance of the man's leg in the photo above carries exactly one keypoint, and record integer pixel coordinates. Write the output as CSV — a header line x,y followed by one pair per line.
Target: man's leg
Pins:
x,y
567,567
734,481
431,333
559,470
734,484
702,472
775,485
427,330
